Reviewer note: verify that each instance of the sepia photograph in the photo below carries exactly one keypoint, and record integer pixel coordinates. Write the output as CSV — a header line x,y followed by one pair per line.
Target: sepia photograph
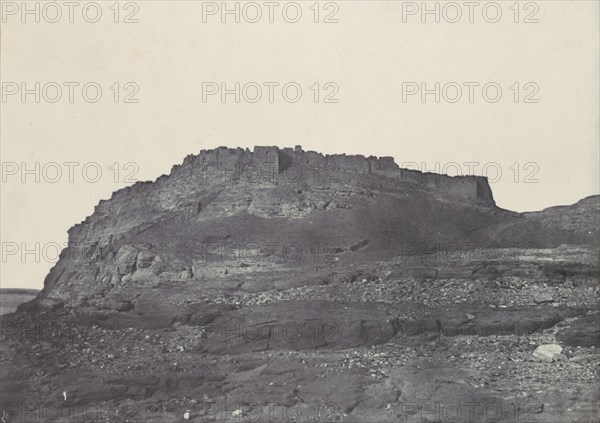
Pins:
x,y
310,211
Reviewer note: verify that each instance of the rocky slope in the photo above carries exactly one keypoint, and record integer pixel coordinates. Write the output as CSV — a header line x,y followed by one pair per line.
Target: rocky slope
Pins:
x,y
283,285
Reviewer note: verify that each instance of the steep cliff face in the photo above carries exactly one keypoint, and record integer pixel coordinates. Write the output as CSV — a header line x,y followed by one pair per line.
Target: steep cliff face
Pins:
x,y
228,214
266,182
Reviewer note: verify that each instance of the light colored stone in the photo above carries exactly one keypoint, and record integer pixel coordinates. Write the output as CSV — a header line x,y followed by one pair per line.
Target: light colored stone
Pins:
x,y
548,352
543,298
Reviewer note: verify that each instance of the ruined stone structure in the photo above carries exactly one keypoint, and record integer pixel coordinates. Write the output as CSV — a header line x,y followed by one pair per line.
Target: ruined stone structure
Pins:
x,y
266,164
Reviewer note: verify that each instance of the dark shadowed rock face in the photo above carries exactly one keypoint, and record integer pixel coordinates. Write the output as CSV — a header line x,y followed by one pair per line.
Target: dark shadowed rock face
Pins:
x,y
229,215
582,332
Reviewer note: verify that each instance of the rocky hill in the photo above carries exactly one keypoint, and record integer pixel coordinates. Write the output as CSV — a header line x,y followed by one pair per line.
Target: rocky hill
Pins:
x,y
232,211
276,283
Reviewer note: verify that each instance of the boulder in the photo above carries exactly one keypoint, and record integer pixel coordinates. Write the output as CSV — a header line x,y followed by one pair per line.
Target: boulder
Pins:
x,y
548,352
543,298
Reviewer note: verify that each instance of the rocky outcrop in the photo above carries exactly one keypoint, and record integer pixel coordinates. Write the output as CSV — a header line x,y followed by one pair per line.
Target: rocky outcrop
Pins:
x,y
268,182
281,205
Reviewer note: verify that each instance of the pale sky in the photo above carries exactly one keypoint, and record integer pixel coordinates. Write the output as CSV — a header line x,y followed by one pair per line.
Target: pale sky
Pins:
x,y
365,61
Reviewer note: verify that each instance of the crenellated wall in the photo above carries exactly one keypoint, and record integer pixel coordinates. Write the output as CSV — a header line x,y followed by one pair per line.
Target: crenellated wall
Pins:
x,y
268,162
280,159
